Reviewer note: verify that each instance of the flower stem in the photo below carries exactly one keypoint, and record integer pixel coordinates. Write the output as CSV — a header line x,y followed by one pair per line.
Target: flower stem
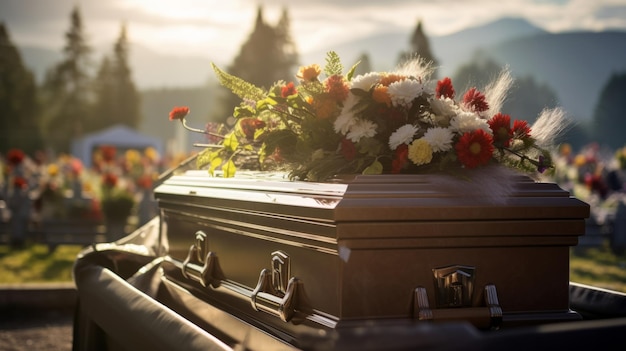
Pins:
x,y
196,130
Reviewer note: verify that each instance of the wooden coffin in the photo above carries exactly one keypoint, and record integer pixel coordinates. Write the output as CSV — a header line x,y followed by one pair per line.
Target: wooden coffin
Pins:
x,y
297,256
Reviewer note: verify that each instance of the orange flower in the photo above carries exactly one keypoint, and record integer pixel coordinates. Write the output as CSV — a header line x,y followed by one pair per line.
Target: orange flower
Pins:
x,y
474,148
391,78
381,95
325,106
336,87
309,73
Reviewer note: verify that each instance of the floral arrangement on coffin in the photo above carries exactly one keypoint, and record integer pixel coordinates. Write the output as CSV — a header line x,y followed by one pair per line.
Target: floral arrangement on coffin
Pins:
x,y
396,122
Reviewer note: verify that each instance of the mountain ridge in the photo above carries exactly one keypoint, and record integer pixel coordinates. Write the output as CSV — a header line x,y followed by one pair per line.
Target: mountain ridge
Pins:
x,y
575,64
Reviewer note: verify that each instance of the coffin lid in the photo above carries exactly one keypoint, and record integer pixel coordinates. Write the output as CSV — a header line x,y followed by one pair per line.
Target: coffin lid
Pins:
x,y
377,197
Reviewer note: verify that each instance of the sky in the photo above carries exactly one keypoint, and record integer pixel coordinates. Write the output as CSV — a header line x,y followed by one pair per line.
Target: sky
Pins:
x,y
216,29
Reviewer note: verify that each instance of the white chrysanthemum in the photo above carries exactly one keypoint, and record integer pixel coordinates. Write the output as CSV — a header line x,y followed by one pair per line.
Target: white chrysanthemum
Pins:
x,y
365,81
444,107
439,139
469,121
346,118
403,92
402,135
363,128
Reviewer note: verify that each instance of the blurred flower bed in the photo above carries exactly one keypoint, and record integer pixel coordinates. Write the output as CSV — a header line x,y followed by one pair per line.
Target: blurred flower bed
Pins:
x,y
117,184
594,175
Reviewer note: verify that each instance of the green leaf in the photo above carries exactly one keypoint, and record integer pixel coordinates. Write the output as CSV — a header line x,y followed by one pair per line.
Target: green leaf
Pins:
x,y
333,64
375,168
369,146
351,71
203,159
229,169
239,86
231,142
215,162
243,111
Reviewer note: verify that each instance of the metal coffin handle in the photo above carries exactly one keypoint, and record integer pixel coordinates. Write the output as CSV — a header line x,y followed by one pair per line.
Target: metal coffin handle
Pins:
x,y
201,264
276,292
264,299
489,316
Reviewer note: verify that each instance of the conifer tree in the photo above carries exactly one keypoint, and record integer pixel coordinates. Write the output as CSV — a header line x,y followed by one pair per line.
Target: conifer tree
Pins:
x,y
268,55
364,66
66,91
420,46
117,98
287,50
609,117
18,100
104,91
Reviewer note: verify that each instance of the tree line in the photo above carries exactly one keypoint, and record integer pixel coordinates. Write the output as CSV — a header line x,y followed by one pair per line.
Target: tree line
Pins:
x,y
72,101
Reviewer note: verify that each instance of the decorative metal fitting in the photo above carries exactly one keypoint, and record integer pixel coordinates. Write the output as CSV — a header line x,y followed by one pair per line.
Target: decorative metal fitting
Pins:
x,y
454,285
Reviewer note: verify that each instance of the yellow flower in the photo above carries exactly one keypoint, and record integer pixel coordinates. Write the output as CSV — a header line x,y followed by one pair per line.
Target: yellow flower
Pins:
x,y
420,152
309,73
566,150
152,154
133,156
580,160
381,95
53,170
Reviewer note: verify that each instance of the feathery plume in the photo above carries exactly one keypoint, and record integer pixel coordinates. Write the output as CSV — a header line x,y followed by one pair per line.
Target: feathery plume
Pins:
x,y
550,124
497,91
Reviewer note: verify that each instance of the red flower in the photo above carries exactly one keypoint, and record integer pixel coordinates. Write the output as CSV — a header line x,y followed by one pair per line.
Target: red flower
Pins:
x,y
15,156
109,180
348,149
76,166
145,182
20,183
521,130
500,124
400,158
445,88
288,90
595,183
250,125
179,112
108,152
475,100
474,148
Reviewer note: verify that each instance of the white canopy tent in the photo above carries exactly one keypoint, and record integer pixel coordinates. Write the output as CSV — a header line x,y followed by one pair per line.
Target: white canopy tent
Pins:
x,y
120,136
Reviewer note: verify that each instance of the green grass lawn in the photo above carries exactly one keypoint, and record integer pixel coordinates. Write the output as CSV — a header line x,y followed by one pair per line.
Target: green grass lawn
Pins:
x,y
35,264
598,267
593,266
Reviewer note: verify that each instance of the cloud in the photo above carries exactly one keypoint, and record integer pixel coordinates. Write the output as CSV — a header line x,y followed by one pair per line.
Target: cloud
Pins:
x,y
201,27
